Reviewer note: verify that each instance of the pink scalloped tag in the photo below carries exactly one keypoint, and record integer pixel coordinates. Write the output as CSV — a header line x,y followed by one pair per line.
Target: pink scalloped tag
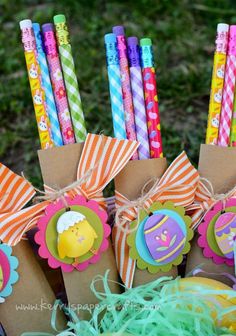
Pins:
x,y
73,237
218,232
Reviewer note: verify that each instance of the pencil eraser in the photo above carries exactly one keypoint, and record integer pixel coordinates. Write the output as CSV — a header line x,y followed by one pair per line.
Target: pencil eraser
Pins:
x,y
47,27
222,27
110,38
145,42
25,24
36,27
132,41
60,18
118,30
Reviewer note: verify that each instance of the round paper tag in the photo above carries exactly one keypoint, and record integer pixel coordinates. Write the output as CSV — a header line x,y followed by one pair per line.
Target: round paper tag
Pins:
x,y
72,237
161,239
218,233
8,274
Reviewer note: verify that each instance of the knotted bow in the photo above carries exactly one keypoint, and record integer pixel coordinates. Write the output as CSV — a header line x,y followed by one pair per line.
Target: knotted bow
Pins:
x,y
178,184
101,160
205,199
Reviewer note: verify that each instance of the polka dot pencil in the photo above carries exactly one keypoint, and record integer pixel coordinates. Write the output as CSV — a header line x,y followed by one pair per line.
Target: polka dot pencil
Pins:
x,y
151,98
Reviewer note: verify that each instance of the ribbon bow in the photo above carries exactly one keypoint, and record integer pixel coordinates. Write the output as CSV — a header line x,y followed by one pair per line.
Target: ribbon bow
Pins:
x,y
178,184
205,199
101,160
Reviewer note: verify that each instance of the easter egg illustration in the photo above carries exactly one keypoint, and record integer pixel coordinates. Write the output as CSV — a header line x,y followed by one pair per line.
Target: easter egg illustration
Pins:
x,y
150,105
152,134
164,238
147,76
75,235
160,239
225,233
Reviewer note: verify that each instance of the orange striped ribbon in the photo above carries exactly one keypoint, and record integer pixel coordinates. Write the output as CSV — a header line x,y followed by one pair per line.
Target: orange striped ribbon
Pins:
x,y
178,185
105,157
15,193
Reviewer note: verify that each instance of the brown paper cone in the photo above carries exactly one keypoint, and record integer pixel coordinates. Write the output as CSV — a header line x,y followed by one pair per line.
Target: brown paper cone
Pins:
x,y
129,182
217,164
59,169
29,306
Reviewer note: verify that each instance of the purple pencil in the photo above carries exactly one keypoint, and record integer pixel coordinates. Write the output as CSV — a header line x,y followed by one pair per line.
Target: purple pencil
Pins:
x,y
138,98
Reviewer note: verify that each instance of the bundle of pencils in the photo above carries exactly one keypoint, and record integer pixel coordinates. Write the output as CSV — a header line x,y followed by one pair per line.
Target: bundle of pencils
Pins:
x,y
221,128
53,82
133,92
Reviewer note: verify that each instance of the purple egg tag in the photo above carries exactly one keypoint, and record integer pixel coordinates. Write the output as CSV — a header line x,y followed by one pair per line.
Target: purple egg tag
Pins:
x,y
164,238
225,233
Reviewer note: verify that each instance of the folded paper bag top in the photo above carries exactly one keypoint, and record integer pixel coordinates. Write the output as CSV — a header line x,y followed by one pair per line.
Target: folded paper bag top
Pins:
x,y
217,167
178,184
60,167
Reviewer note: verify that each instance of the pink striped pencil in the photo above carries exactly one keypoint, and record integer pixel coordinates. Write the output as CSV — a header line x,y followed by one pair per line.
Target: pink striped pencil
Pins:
x,y
228,91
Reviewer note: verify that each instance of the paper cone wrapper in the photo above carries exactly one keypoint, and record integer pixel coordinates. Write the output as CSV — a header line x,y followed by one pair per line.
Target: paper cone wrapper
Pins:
x,y
217,164
129,182
59,168
29,307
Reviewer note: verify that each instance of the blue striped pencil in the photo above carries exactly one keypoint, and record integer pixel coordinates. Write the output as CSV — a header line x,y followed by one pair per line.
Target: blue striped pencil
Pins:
x,y
115,88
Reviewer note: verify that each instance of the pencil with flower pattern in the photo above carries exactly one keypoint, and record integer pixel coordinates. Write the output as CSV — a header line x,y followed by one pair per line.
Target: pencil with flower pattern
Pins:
x,y
58,84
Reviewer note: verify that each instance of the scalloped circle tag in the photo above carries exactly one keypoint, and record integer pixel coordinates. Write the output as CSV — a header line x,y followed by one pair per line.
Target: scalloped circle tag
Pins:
x,y
72,237
225,233
218,232
161,239
8,273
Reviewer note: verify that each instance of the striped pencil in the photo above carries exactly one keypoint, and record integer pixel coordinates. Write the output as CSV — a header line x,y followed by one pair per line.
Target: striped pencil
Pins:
x,y
113,70
71,83
228,91
138,98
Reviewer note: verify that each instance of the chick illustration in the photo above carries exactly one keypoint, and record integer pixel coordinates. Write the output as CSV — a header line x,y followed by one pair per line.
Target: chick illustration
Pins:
x,y
76,236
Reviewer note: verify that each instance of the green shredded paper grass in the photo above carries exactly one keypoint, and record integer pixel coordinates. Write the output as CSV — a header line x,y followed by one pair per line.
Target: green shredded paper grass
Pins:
x,y
158,308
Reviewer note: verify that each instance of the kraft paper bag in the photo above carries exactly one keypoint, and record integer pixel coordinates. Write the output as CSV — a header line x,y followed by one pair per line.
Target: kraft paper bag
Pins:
x,y
129,182
29,307
59,169
218,165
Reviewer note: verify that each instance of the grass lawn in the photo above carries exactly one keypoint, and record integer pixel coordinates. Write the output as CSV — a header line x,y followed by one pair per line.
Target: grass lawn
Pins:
x,y
183,32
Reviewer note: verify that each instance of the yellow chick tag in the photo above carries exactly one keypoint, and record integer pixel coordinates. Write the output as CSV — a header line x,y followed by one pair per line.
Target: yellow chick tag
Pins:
x,y
76,236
